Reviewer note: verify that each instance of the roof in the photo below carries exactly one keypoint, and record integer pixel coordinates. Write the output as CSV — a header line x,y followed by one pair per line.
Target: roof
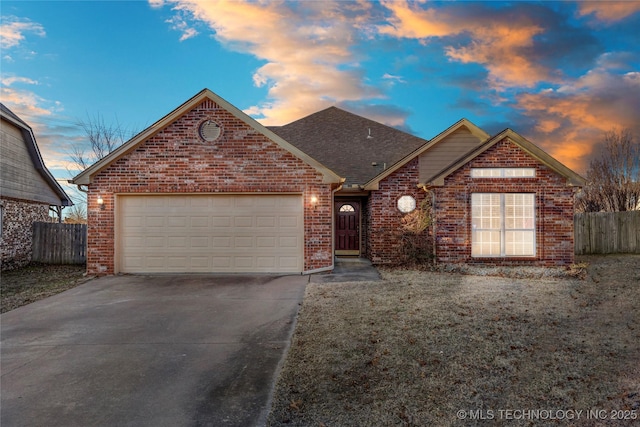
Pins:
x,y
354,147
85,177
533,150
34,154
461,124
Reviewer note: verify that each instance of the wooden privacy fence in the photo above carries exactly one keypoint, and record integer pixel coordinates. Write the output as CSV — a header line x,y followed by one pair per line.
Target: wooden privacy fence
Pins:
x,y
55,243
607,232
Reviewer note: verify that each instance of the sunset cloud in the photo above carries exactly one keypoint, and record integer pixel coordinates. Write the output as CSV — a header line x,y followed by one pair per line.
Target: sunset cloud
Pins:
x,y
501,44
608,11
306,47
13,30
571,120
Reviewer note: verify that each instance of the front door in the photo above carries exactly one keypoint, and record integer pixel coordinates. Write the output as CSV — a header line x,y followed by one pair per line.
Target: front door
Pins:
x,y
347,227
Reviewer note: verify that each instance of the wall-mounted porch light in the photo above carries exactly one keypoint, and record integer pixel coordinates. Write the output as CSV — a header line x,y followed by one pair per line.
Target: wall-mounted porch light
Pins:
x,y
314,202
100,202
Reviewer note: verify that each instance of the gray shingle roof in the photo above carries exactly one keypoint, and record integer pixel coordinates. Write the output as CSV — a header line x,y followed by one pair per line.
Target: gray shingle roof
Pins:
x,y
349,144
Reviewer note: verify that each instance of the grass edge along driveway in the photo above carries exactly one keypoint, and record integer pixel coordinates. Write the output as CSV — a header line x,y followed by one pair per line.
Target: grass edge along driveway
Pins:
x,y
433,349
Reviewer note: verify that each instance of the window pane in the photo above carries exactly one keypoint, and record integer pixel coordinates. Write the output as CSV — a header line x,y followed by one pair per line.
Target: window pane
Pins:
x,y
519,211
485,211
485,243
519,243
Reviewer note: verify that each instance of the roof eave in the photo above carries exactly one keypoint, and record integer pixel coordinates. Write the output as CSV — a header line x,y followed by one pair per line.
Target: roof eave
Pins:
x,y
36,157
373,184
572,178
85,177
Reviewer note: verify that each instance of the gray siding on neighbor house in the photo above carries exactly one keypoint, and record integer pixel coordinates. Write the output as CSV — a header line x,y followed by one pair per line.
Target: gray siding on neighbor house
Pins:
x,y
19,179
445,152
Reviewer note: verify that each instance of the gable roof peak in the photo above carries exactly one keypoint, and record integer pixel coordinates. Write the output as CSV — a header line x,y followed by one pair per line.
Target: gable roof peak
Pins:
x,y
85,177
572,178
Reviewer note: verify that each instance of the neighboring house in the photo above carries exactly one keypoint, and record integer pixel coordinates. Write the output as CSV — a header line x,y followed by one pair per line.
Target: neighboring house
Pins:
x,y
209,189
27,190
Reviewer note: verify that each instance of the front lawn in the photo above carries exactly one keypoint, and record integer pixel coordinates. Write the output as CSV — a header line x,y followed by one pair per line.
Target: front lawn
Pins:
x,y
35,282
438,349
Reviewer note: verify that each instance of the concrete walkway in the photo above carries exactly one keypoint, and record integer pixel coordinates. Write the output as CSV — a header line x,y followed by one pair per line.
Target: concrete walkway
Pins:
x,y
349,269
148,351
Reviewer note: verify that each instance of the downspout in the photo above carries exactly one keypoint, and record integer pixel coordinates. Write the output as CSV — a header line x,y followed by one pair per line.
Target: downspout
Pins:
x,y
84,190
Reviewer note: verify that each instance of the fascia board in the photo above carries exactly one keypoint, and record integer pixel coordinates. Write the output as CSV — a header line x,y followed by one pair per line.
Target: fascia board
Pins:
x,y
84,178
373,184
533,150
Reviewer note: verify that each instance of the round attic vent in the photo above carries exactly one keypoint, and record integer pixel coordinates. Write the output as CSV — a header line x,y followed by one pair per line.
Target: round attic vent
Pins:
x,y
210,130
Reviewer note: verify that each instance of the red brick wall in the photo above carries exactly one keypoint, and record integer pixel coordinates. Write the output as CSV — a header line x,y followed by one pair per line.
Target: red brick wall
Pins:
x,y
16,242
384,230
176,160
554,209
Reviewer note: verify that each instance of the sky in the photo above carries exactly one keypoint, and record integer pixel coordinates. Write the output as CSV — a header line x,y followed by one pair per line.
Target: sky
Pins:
x,y
561,74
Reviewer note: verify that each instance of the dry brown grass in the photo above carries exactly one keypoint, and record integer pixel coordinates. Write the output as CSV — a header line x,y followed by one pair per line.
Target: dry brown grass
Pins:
x,y
35,282
417,347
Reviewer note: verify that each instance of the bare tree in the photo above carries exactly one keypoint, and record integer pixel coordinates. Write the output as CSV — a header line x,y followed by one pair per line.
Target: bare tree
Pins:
x,y
102,139
77,214
613,179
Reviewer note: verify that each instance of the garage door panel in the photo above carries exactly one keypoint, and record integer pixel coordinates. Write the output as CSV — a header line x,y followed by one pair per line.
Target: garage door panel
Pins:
x,y
243,242
222,242
243,221
221,263
243,262
199,242
289,221
210,233
266,221
288,262
221,221
199,222
199,262
266,242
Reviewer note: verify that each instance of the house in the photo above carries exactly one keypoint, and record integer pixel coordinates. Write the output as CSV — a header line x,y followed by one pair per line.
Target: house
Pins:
x,y
209,189
27,190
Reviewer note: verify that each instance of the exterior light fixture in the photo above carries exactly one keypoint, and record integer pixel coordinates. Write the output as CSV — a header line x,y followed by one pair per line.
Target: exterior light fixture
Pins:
x,y
406,204
314,200
101,202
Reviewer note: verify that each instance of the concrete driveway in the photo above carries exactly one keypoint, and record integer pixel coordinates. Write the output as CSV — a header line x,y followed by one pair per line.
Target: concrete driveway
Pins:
x,y
148,350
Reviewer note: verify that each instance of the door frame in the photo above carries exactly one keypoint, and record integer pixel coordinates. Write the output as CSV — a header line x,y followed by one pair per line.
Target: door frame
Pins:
x,y
351,201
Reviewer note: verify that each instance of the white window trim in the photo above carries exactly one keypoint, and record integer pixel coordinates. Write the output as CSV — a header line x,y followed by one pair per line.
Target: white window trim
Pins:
x,y
507,173
503,230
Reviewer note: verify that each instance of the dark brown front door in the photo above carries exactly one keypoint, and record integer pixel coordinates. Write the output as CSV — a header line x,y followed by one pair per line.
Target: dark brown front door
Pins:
x,y
347,228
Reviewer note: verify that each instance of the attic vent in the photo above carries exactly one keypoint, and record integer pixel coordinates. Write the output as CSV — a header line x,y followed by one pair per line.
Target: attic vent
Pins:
x,y
209,130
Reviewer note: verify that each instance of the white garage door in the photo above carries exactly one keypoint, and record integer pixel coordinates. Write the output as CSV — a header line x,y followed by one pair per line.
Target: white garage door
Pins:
x,y
210,233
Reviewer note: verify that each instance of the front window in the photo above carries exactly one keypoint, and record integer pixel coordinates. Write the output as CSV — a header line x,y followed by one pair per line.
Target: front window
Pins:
x,y
503,173
503,224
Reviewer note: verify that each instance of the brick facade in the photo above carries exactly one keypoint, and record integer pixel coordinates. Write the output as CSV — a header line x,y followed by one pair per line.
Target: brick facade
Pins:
x,y
554,201
452,213
176,160
383,232
16,242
